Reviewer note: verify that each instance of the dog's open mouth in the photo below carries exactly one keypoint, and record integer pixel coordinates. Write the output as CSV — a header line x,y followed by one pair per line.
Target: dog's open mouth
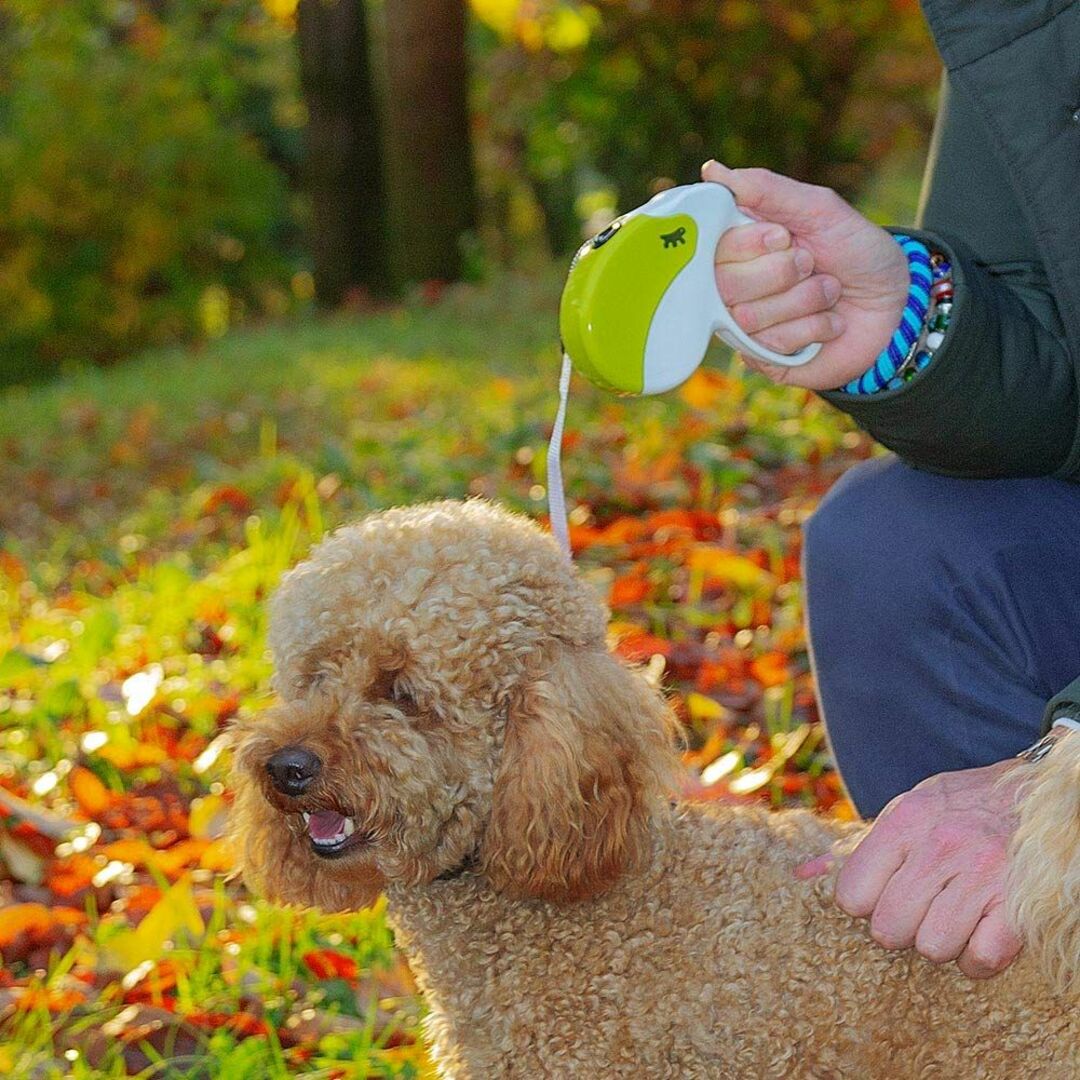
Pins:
x,y
332,834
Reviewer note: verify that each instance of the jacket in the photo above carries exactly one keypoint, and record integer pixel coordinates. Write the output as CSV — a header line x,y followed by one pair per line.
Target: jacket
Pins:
x,y
1002,200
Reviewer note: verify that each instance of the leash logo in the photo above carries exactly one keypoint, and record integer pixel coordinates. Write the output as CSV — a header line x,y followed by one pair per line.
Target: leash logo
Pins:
x,y
674,239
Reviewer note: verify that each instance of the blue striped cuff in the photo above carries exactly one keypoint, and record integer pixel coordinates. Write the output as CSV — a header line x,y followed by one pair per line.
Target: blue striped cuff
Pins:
x,y
892,357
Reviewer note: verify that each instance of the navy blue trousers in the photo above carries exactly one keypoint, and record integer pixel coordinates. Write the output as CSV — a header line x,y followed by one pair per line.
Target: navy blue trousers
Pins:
x,y
942,614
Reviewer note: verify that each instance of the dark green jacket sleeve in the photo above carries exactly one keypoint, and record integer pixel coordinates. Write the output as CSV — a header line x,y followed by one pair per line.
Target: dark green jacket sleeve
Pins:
x,y
1067,703
999,398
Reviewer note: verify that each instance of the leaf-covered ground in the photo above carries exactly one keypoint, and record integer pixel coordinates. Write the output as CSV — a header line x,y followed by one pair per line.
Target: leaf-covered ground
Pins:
x,y
146,513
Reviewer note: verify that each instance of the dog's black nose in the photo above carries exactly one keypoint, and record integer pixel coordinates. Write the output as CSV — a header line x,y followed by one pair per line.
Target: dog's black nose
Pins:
x,y
292,770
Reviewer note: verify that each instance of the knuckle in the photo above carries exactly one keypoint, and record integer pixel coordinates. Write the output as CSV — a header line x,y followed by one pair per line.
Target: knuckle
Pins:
x,y
822,289
946,840
904,811
988,861
825,196
757,173
825,327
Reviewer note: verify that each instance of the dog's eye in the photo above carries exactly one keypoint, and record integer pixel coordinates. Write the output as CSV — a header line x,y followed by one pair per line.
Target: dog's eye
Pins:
x,y
389,687
401,697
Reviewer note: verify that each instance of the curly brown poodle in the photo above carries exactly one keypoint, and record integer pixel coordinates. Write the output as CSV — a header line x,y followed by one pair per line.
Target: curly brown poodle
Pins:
x,y
453,730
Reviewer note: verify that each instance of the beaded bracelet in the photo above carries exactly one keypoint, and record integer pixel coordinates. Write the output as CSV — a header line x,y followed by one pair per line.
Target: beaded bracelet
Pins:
x,y
937,322
922,325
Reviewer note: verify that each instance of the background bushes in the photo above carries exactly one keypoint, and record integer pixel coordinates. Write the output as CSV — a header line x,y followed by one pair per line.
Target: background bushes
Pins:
x,y
139,200
597,105
151,150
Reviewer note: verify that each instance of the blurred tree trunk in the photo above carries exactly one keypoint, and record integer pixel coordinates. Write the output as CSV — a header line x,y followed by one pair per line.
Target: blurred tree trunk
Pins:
x,y
343,154
428,140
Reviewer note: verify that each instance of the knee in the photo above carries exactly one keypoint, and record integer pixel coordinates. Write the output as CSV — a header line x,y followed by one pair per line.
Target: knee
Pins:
x,y
843,540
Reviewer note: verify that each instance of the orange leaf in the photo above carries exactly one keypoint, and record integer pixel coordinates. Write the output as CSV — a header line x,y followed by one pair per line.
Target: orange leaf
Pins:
x,y
228,496
65,877
90,793
771,669
133,757
175,859
640,647
629,590
135,852
24,919
705,388
328,964
13,568
55,1000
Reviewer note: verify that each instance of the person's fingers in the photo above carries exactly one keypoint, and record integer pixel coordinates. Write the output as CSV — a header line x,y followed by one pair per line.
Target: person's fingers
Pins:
x,y
790,337
812,868
801,207
992,948
745,242
763,276
949,923
815,294
868,869
906,899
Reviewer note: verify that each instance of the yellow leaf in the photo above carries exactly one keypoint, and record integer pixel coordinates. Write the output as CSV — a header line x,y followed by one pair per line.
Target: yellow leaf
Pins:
x,y
500,15
207,818
568,29
280,10
218,857
173,917
705,389
701,707
719,564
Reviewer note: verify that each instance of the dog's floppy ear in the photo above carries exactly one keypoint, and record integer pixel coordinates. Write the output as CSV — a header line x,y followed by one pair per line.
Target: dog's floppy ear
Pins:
x,y
587,755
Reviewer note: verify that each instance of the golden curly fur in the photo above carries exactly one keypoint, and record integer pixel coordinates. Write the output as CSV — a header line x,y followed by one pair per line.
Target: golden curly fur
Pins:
x,y
507,777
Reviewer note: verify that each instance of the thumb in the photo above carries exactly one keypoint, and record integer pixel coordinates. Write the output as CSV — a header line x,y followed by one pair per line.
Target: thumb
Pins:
x,y
774,197
815,867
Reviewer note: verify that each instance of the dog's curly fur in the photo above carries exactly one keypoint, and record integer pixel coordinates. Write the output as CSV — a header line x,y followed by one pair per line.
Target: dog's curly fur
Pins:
x,y
508,778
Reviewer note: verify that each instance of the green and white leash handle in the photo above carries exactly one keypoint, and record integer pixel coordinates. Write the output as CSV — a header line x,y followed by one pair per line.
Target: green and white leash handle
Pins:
x,y
641,305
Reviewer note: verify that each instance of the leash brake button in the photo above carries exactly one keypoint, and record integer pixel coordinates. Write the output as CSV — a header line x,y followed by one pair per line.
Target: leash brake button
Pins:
x,y
602,237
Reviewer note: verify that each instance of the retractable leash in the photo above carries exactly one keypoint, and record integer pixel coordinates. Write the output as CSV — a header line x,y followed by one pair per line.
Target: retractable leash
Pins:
x,y
641,305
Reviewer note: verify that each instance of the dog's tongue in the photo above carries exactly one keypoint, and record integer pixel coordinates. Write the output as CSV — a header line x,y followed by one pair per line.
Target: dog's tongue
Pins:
x,y
325,824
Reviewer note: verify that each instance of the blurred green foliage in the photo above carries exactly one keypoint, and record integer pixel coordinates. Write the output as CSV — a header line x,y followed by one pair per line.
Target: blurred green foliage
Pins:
x,y
142,192
595,106
150,149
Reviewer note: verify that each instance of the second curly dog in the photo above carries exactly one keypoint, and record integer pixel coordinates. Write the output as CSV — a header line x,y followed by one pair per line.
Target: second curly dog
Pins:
x,y
452,729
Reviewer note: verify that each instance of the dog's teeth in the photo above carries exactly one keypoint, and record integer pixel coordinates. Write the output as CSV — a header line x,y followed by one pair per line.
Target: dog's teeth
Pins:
x,y
307,817
349,826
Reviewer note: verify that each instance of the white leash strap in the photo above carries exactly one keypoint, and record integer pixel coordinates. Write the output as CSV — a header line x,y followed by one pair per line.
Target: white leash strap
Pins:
x,y
556,496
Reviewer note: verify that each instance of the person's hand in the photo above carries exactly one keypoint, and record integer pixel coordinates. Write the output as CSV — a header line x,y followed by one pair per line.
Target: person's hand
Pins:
x,y
811,268
931,871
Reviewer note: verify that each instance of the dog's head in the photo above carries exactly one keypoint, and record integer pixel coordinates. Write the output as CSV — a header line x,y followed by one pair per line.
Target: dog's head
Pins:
x,y
446,699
